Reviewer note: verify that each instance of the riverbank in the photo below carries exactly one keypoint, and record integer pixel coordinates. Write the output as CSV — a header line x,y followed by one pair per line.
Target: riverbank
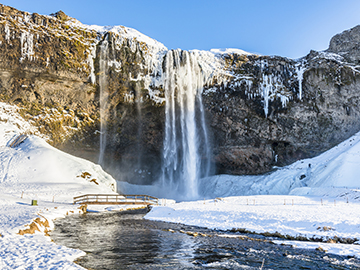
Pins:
x,y
330,222
288,216
24,239
36,250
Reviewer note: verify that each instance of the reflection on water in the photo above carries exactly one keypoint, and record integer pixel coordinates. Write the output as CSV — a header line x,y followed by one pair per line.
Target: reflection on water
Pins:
x,y
125,241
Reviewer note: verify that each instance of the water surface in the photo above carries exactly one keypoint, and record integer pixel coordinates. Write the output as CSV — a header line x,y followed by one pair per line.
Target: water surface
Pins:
x,y
124,240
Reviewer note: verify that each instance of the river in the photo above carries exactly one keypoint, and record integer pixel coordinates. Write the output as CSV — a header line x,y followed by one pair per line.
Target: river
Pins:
x,y
124,240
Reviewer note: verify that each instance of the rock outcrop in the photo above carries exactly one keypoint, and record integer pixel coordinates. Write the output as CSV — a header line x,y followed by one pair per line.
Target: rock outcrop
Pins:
x,y
261,111
45,69
347,44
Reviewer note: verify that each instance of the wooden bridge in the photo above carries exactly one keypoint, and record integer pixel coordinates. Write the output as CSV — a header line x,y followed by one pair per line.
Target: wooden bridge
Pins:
x,y
116,199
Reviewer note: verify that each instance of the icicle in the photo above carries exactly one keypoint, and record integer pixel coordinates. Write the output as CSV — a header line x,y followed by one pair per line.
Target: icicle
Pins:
x,y
300,72
90,60
284,100
26,45
266,90
7,32
129,98
272,88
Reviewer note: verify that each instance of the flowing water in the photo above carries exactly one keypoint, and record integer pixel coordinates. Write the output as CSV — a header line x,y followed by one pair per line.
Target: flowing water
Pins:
x,y
103,85
186,152
124,240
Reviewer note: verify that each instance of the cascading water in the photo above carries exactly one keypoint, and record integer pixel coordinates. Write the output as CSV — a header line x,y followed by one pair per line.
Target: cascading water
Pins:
x,y
186,153
103,60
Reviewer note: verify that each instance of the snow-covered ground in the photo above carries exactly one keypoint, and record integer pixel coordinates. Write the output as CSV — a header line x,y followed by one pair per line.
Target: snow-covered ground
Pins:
x,y
36,171
295,216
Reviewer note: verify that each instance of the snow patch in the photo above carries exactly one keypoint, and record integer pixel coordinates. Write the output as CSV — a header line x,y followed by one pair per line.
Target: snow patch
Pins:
x,y
230,51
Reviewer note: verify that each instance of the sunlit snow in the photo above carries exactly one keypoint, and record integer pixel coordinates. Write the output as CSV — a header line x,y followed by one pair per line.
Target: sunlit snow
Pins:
x,y
36,171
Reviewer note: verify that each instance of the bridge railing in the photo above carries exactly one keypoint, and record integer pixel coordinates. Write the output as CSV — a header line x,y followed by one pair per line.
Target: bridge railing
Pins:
x,y
115,199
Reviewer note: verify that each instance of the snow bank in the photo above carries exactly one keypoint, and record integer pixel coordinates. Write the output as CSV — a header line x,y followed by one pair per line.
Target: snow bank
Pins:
x,y
292,215
36,252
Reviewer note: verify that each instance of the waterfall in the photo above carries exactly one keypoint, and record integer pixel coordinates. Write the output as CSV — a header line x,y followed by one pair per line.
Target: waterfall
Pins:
x,y
103,60
186,152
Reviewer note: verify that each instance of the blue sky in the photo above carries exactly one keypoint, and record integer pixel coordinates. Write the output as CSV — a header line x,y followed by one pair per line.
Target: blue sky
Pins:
x,y
288,28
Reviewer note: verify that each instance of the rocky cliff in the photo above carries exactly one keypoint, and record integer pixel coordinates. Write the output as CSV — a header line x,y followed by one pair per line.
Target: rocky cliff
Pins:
x,y
276,110
260,111
50,67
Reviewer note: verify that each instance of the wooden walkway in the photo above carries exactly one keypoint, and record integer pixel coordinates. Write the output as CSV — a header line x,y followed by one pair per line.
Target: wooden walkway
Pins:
x,y
17,140
116,199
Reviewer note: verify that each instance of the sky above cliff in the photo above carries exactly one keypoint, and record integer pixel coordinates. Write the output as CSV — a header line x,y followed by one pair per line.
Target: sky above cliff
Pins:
x,y
282,27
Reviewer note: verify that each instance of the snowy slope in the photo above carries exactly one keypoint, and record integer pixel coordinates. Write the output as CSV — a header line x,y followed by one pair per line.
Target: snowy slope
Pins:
x,y
36,168
44,172
332,173
36,171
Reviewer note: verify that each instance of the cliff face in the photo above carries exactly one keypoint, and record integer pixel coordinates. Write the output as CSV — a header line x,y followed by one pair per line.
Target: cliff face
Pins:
x,y
45,68
261,111
49,66
276,110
